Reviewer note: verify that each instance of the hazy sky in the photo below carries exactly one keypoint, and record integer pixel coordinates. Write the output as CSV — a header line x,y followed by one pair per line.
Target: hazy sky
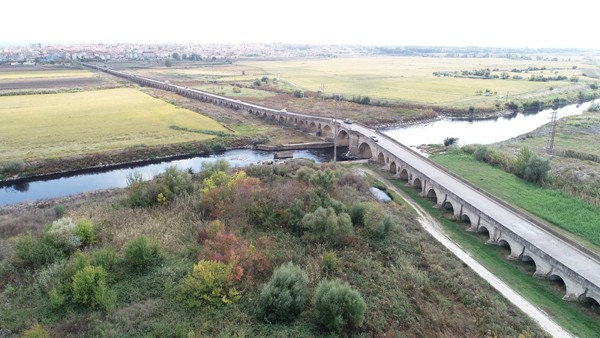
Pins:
x,y
507,23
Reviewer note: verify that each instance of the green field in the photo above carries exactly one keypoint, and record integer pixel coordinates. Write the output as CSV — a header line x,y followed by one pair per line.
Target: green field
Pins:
x,y
49,126
543,293
559,209
227,90
45,74
411,79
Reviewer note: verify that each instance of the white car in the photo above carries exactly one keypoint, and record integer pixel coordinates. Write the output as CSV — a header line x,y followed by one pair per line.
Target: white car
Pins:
x,y
374,138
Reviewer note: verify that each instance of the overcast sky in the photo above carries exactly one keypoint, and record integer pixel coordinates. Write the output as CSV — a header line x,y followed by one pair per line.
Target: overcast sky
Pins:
x,y
507,23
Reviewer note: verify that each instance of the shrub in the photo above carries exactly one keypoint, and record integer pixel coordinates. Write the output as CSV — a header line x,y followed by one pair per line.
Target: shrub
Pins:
x,y
448,141
283,298
537,169
324,225
382,228
330,261
357,213
142,253
63,234
482,153
50,276
14,167
209,168
521,161
89,285
298,93
210,283
37,252
104,257
294,214
338,307
56,298
36,331
78,262
174,181
59,211
85,231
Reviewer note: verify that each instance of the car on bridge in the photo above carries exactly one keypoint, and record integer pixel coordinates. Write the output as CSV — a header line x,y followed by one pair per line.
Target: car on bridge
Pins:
x,y
347,121
374,138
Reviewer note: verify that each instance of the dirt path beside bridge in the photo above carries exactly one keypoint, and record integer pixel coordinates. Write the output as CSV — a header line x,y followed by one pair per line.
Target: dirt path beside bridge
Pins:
x,y
432,226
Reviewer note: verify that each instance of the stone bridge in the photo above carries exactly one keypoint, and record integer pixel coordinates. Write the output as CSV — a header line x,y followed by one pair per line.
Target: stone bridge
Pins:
x,y
554,257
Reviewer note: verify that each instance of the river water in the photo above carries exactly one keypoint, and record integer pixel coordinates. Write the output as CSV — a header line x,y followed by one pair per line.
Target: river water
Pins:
x,y
479,131
474,131
117,178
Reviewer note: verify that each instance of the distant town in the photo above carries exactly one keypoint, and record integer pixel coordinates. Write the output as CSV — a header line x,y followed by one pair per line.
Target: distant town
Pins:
x,y
36,53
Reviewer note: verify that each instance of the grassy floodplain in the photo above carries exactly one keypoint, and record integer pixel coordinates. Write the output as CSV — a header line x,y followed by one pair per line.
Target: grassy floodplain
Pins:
x,y
45,74
411,79
564,211
48,126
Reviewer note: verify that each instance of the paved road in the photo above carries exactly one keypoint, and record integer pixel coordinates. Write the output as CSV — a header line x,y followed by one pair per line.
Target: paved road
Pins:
x,y
571,257
434,228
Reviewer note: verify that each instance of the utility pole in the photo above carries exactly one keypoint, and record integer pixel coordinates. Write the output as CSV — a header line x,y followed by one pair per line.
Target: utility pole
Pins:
x,y
550,145
334,131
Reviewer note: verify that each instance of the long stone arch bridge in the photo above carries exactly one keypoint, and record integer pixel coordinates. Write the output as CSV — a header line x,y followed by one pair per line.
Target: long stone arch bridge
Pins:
x,y
554,257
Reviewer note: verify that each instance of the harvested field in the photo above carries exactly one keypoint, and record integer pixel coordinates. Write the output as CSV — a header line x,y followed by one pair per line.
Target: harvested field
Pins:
x,y
56,125
54,83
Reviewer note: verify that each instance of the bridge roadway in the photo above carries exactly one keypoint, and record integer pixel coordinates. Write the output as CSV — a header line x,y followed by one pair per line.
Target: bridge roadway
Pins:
x,y
578,261
579,268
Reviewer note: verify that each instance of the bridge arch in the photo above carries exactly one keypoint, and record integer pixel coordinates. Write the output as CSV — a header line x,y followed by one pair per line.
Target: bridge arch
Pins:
x,y
327,131
343,138
482,229
393,168
417,184
431,194
364,150
447,206
381,158
404,175
592,303
312,127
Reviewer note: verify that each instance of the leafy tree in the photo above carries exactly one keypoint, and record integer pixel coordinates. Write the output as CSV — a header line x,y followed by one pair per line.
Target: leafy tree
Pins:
x,y
168,63
176,56
299,93
521,162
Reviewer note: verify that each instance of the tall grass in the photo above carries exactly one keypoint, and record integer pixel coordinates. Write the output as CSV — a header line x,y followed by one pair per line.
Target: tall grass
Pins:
x,y
559,209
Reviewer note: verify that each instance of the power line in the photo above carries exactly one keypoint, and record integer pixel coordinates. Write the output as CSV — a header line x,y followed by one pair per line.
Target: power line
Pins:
x,y
550,145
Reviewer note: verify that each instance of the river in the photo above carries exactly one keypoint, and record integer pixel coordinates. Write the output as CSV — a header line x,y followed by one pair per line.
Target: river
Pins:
x,y
117,178
479,131
473,131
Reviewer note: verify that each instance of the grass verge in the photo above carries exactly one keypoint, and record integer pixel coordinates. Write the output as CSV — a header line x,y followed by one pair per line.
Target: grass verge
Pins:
x,y
559,209
545,294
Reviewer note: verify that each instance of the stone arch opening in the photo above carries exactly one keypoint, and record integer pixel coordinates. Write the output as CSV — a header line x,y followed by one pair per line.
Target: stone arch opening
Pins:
x,y
529,263
281,120
404,175
484,232
312,127
343,139
504,247
417,184
327,131
364,150
591,304
557,283
465,218
381,159
432,195
448,207
393,168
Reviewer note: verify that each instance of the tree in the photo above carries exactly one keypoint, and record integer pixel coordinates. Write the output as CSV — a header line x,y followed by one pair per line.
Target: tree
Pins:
x,y
176,56
298,93
168,63
283,298
521,163
448,141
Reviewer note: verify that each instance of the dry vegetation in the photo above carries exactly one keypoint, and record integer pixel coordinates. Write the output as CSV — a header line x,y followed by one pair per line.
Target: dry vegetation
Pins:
x,y
411,285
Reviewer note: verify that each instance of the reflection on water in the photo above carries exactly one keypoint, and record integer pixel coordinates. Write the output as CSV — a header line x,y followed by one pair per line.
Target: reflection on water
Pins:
x,y
479,131
117,178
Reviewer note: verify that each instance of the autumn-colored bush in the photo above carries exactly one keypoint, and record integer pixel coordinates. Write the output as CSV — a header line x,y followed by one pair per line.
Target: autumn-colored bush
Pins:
x,y
210,283
246,259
